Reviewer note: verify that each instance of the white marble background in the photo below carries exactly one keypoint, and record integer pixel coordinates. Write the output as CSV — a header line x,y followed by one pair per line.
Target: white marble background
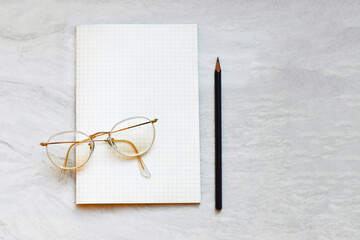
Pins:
x,y
291,100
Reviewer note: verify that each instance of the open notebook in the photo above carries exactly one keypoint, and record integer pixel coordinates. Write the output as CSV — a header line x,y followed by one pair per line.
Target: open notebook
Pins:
x,y
139,70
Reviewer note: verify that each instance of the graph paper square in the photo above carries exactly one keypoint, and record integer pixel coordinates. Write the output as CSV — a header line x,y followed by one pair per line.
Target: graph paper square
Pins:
x,y
139,70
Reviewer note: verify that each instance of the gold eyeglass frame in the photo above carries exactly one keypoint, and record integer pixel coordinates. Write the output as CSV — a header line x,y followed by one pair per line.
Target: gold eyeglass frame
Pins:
x,y
91,138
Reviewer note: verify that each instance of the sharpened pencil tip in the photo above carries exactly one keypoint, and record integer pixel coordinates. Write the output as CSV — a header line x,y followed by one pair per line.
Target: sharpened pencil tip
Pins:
x,y
217,67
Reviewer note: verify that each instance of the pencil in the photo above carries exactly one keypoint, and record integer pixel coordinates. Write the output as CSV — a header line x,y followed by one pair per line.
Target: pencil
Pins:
x,y
218,152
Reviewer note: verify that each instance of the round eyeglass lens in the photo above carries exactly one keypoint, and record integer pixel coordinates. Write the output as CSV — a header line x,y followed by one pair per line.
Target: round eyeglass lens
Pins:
x,y
69,150
133,136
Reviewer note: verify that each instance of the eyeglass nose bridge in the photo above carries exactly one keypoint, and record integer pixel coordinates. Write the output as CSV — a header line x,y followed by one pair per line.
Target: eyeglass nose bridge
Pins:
x,y
92,136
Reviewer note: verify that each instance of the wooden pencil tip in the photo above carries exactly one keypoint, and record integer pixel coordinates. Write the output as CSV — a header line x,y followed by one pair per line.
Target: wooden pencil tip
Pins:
x,y
217,68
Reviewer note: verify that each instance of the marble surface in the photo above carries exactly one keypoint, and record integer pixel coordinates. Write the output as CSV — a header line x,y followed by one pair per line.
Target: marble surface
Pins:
x,y
291,100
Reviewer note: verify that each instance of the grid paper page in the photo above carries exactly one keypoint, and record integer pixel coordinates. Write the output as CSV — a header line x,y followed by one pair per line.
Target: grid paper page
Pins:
x,y
139,70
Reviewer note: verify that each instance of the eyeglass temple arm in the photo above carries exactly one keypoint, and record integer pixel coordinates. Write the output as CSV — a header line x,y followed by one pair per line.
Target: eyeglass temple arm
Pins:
x,y
76,142
100,133
113,140
137,125
66,159
143,169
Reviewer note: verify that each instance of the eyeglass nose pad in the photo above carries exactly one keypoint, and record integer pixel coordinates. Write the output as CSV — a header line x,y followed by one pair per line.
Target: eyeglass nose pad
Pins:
x,y
92,147
111,143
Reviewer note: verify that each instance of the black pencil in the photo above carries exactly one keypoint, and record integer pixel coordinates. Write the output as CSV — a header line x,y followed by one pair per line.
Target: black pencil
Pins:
x,y
218,153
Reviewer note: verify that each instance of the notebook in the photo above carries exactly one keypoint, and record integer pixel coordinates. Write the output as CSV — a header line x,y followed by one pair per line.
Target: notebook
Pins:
x,y
139,70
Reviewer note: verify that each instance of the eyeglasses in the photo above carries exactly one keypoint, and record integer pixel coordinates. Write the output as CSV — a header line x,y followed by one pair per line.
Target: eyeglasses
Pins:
x,y
131,138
